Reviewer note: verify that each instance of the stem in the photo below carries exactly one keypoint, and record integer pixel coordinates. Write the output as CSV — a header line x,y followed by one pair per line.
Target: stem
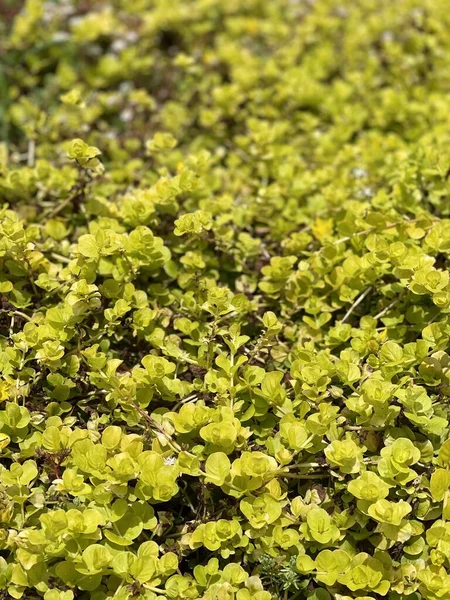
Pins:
x,y
231,382
113,523
323,475
154,589
385,310
118,589
31,152
372,229
60,207
23,315
61,258
174,445
362,428
78,189
356,303
210,352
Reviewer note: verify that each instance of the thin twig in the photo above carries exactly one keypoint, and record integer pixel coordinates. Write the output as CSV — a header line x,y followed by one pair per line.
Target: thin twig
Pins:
x,y
23,315
63,259
31,153
362,428
323,475
172,443
376,230
55,211
14,311
356,303
385,310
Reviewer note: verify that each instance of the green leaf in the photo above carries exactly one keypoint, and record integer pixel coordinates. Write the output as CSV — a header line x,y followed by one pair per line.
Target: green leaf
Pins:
x,y
439,484
217,468
95,558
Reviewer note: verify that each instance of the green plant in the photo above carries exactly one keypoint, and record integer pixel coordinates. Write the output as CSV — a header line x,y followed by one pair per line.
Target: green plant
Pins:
x,y
224,300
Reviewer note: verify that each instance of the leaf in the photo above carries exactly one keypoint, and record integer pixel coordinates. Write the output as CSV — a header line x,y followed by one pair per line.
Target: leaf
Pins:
x,y
51,439
439,484
4,441
88,247
143,569
111,437
96,558
305,563
391,353
217,468
444,454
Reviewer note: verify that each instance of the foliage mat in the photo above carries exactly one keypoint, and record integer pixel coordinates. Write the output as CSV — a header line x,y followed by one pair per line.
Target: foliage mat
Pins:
x,y
224,314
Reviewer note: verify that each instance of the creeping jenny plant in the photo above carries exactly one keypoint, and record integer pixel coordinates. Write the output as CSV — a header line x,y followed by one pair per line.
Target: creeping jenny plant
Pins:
x,y
225,299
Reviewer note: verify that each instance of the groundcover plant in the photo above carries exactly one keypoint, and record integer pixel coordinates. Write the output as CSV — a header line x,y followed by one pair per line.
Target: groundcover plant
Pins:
x,y
225,299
